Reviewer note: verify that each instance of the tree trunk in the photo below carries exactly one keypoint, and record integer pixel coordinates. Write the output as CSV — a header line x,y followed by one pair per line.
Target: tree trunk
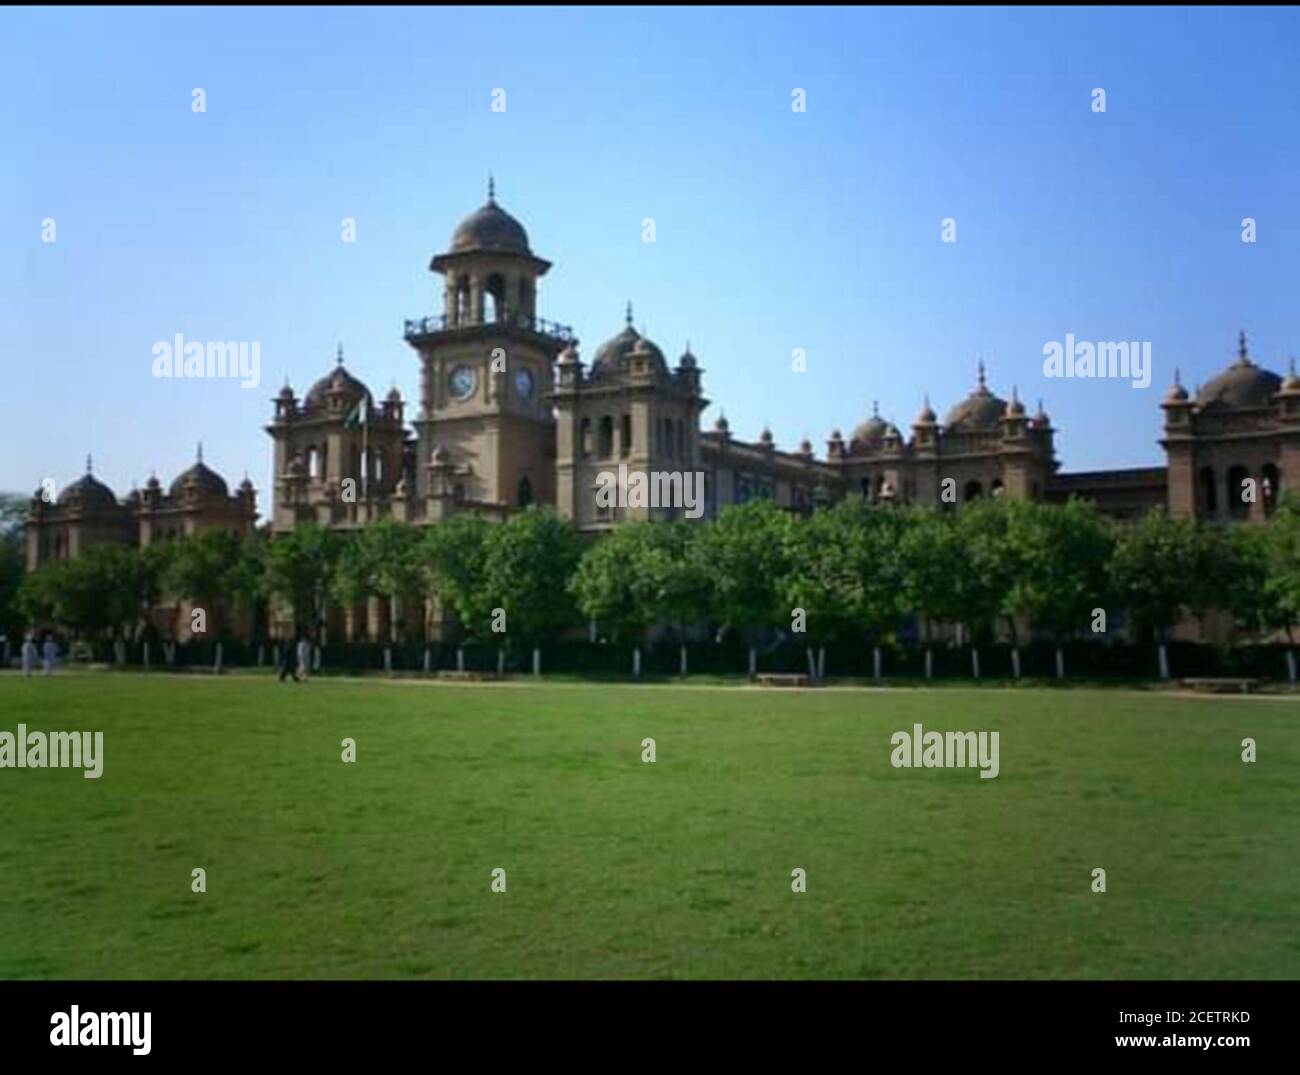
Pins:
x,y
821,662
975,662
537,661
501,661
636,662
1060,663
753,662
1163,660
1015,662
812,663
875,662
929,664
682,660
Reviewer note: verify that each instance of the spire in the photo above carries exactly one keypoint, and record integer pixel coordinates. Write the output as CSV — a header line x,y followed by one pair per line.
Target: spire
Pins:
x,y
1178,378
875,408
199,453
90,468
628,316
1241,348
340,353
492,190
981,373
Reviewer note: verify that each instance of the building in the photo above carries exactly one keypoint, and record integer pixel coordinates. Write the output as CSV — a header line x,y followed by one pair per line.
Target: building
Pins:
x,y
509,414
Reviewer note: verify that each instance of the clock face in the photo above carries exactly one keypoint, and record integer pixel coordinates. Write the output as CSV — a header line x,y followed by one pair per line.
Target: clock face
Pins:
x,y
461,382
524,384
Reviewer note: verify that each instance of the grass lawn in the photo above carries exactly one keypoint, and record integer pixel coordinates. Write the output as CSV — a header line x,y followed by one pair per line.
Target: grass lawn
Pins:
x,y
616,868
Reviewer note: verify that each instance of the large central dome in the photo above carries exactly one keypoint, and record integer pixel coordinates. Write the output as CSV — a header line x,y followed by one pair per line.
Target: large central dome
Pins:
x,y
490,229
979,411
1243,384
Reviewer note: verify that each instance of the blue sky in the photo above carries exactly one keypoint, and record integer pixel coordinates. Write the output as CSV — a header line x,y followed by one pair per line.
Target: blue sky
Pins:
x,y
774,230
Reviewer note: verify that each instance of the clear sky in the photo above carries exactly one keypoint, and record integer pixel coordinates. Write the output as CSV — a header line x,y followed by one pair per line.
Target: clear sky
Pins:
x,y
774,229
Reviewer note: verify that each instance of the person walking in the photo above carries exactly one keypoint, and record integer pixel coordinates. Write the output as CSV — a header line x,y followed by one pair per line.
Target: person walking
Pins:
x,y
29,654
288,662
51,654
304,655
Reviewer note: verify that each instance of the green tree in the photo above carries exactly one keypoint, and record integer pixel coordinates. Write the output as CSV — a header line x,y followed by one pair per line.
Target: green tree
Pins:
x,y
299,571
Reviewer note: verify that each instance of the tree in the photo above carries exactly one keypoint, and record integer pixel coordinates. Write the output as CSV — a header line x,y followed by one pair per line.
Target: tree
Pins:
x,y
210,569
299,570
451,558
527,563
746,552
13,513
1063,553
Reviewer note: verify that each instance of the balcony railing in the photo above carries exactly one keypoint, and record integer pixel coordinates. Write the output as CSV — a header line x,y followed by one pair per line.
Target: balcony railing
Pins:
x,y
428,326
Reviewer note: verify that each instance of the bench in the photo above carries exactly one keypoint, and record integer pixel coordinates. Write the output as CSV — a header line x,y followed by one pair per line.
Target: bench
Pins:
x,y
771,679
1215,685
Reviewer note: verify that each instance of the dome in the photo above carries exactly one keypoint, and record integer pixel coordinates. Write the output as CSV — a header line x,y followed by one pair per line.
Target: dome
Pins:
x,y
89,491
980,411
1291,383
927,416
201,475
613,354
1243,384
1015,409
722,425
337,380
688,360
872,428
1177,393
490,229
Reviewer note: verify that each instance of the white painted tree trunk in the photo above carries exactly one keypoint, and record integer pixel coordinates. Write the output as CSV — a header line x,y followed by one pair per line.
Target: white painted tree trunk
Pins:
x,y
1164,661
812,663
261,655
460,658
501,661
929,665
1290,665
216,664
1060,663
537,661
636,662
428,660
875,662
753,662
975,662
682,662
821,662
146,654
316,652
1015,662
388,658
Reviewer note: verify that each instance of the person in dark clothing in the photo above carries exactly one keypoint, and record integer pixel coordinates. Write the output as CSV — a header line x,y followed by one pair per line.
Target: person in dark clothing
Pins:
x,y
288,662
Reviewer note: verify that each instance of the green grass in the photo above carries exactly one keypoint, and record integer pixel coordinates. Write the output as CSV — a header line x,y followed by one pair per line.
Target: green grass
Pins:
x,y
681,869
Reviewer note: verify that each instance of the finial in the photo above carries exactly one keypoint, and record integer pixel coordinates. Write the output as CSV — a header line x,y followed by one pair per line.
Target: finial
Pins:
x,y
875,408
1014,397
981,372
90,468
629,312
492,189
1241,346
1178,377
199,454
1292,365
340,353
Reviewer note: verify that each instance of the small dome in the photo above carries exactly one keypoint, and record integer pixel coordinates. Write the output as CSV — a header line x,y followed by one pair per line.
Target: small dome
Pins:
x,y
490,229
872,429
1041,421
89,492
1243,384
1291,382
202,476
613,354
722,425
805,447
927,416
765,438
1015,409
688,360
394,396
1177,393
980,411
286,392
337,380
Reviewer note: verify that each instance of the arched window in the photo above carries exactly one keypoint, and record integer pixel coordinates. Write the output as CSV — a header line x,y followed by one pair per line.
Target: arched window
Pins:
x,y
462,300
1238,506
1209,492
458,493
605,447
494,298
524,495
314,467
973,491
378,472
1269,483
584,437
625,445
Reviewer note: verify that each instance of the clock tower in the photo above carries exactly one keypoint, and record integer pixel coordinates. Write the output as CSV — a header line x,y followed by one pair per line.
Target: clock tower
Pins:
x,y
485,430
